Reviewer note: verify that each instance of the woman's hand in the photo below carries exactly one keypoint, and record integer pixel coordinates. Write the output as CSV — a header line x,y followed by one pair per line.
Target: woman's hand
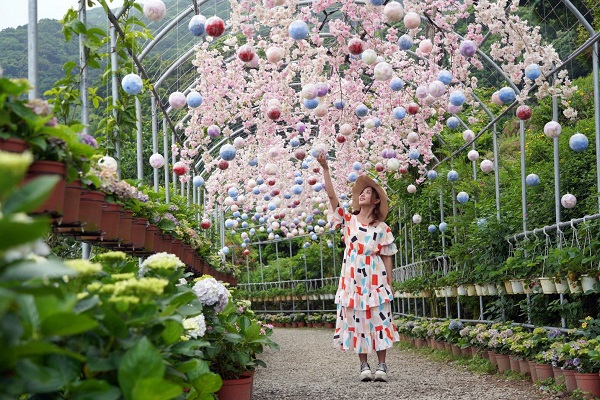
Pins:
x,y
322,159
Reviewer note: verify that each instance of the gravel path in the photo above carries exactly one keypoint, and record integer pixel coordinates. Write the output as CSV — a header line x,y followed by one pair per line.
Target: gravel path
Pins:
x,y
308,367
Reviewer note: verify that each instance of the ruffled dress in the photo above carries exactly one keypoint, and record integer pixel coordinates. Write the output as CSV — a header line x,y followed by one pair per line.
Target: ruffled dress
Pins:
x,y
364,312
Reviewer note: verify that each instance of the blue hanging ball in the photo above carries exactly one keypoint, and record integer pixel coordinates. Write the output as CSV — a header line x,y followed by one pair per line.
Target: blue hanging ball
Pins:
x,y
396,84
405,42
399,112
132,84
306,245
309,228
452,176
298,30
330,245
376,2
197,25
227,152
229,223
532,180
339,104
481,221
432,174
269,230
532,71
309,219
194,99
198,181
321,222
266,197
452,123
297,173
256,190
578,142
443,226
432,228
295,142
457,98
311,104
271,206
244,216
445,77
314,236
376,122
304,165
462,197
233,192
287,196
296,189
414,154
252,231
361,110
260,180
237,213
506,95
225,250
357,166
298,180
352,177
253,162
317,187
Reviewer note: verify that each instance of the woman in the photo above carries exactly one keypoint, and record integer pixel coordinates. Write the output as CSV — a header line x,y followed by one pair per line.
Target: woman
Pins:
x,y
364,295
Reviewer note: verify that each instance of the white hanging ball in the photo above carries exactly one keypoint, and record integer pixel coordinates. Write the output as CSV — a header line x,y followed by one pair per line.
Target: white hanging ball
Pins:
x,y
270,169
468,135
275,54
273,152
437,88
487,166
411,188
568,201
383,72
552,129
157,160
251,183
362,142
412,137
393,11
473,155
412,20
416,219
109,163
271,236
239,142
393,164
369,56
310,91
177,100
422,91
346,129
228,201
154,10
234,208
321,110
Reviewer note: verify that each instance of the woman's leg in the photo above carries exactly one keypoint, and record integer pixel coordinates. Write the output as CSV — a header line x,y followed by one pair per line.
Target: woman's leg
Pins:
x,y
381,356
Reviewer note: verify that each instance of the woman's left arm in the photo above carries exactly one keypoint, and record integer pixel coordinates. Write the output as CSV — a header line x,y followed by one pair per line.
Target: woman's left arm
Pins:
x,y
387,261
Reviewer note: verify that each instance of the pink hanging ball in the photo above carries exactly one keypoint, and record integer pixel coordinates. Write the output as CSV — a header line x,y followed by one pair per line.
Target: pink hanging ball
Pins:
x,y
568,200
496,99
274,54
154,10
426,46
437,89
393,11
177,100
412,20
245,53
452,109
552,129
346,129
487,166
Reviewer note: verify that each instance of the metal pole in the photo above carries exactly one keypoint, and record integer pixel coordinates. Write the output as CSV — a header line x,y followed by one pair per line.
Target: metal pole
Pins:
x,y
140,148
496,172
262,276
458,306
447,307
454,212
166,157
481,308
86,250
596,114
114,61
424,309
405,239
442,220
32,49
154,137
173,160
523,174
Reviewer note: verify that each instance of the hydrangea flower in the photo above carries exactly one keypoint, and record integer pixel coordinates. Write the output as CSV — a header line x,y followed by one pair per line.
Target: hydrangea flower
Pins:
x,y
455,325
162,261
210,292
195,327
84,267
112,256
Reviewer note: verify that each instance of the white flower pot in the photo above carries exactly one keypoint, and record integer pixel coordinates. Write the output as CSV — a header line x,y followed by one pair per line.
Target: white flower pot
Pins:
x,y
462,290
574,286
478,289
587,282
517,286
397,294
491,287
484,290
508,287
562,286
526,287
453,291
438,292
425,293
471,290
548,285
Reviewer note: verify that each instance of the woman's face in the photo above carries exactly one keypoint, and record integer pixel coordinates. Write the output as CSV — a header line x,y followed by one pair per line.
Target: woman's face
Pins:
x,y
368,197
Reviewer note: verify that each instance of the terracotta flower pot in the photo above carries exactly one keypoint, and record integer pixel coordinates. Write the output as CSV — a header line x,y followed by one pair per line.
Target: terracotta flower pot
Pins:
x,y
149,237
589,383
125,227
167,243
177,248
514,363
559,377
111,216
524,367
236,389
570,380
55,202
544,371
72,203
138,232
503,362
90,210
13,145
532,371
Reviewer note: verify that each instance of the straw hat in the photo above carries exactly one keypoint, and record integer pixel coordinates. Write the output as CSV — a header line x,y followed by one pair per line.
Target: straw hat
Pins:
x,y
361,183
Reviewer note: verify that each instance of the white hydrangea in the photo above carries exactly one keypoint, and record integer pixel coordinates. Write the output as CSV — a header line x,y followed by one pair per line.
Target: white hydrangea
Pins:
x,y
195,327
210,292
161,261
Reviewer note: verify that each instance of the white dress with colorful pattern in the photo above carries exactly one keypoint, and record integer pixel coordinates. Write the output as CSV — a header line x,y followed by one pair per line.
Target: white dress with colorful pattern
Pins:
x,y
364,312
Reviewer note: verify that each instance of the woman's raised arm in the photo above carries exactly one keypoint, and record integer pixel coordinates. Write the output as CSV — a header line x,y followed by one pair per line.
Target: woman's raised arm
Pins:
x,y
333,200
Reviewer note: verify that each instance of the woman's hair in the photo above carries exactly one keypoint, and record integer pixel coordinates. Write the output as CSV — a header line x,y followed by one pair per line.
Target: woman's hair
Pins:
x,y
375,209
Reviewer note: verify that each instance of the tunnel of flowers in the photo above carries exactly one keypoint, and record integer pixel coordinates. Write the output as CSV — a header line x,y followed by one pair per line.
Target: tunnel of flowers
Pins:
x,y
163,210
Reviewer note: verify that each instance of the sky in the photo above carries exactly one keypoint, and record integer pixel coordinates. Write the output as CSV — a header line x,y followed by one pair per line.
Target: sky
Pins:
x,y
15,12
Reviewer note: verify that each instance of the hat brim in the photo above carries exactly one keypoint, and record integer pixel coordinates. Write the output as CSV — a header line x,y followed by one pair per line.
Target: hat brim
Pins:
x,y
360,184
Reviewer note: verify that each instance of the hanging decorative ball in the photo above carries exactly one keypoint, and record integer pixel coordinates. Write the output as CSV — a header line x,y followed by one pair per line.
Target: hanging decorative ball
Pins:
x,y
432,174
362,142
205,224
223,165
346,129
376,2
154,10
198,181
468,48
109,163
311,104
393,11
468,135
379,167
422,91
532,71
453,123
552,129
414,154
132,84
270,169
412,137
578,142
361,110
532,180
298,30
273,113
523,112
412,20
473,155
300,154
352,176
396,84
383,71
369,56
487,166
177,100
239,142
355,46
180,168
506,95
245,53
275,54
294,142
309,91
214,26
369,123
425,46
412,108
452,176
213,131
432,228
197,25
445,77
322,89
297,189
443,226
300,127
194,99
462,197
411,189
227,152
568,201
273,152
496,98
457,98
393,164
405,42
157,161
399,112
437,89
321,110
339,104
453,109
416,219
357,166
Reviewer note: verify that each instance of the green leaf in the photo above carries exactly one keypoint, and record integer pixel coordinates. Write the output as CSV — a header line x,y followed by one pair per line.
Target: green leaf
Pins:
x,y
140,362
166,224
43,348
155,389
16,233
207,384
29,269
172,332
177,301
6,299
92,389
67,323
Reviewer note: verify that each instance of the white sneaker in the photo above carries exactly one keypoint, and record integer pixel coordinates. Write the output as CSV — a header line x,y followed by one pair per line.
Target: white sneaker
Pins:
x,y
381,373
365,372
